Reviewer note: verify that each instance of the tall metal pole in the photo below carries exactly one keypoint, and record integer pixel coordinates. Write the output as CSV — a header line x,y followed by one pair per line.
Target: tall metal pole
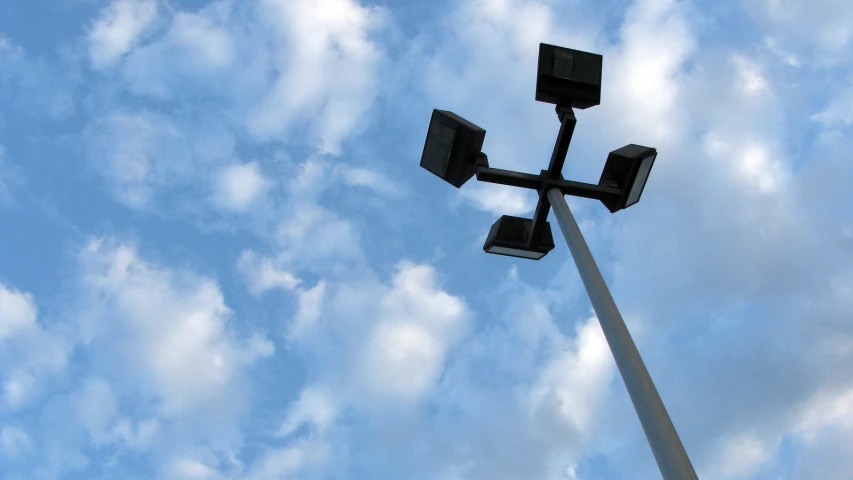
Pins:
x,y
666,446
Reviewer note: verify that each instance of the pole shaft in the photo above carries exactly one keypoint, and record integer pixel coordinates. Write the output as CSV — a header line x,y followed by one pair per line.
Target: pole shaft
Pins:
x,y
667,448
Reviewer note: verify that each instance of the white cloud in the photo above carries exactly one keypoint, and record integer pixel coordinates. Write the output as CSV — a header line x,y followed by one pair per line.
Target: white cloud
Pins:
x,y
372,179
418,323
28,351
17,388
287,461
574,381
268,64
752,161
823,25
402,360
499,199
261,65
14,442
739,456
218,52
118,30
751,78
192,469
169,326
311,233
839,112
17,312
789,58
147,158
329,65
140,436
644,72
827,408
240,186
309,312
137,153
315,406
390,345
262,275
204,40
96,408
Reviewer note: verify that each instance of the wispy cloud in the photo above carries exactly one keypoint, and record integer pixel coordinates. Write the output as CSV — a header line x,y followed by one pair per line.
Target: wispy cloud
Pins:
x,y
118,30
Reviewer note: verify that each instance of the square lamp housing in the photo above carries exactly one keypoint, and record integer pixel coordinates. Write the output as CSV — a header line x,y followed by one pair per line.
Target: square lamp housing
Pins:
x,y
627,169
508,236
568,76
452,147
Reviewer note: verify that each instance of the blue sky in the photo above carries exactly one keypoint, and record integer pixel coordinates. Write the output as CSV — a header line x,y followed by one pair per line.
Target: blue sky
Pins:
x,y
219,258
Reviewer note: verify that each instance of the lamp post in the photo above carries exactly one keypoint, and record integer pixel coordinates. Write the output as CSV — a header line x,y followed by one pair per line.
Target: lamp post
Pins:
x,y
569,79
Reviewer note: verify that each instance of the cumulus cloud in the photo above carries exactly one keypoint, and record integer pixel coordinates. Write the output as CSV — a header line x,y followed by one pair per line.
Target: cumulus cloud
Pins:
x,y
320,38
208,43
17,312
310,235
28,350
315,406
391,343
262,275
418,323
183,468
823,27
500,200
240,186
287,461
392,340
262,69
368,178
571,383
170,327
118,30
268,64
309,311
145,157
137,153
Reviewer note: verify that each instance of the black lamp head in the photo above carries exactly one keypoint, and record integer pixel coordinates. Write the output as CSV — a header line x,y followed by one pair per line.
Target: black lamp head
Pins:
x,y
568,77
453,148
628,170
508,236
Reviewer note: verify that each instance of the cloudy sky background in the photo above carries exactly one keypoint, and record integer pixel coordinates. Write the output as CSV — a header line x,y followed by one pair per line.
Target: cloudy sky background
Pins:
x,y
219,258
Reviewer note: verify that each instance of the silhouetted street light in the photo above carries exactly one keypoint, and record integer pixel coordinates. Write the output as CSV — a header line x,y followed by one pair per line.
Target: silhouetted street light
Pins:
x,y
569,79
508,236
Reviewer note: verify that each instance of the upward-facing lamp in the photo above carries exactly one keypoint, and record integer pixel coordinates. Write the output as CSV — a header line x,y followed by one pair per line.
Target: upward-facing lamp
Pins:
x,y
568,77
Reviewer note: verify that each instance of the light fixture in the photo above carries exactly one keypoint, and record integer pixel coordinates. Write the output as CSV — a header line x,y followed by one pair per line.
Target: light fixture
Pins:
x,y
452,150
508,236
628,170
568,77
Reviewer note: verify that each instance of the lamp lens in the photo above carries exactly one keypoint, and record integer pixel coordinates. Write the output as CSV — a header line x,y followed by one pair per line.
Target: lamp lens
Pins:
x,y
640,180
